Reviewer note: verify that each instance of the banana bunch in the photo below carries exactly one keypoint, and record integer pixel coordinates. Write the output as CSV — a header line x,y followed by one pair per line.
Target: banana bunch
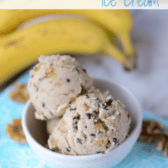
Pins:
x,y
21,48
117,21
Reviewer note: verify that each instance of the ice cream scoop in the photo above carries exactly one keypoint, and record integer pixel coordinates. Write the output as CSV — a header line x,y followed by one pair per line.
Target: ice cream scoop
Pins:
x,y
94,123
54,83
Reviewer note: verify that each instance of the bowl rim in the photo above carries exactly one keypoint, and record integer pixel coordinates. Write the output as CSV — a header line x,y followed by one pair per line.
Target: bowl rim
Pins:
x,y
93,156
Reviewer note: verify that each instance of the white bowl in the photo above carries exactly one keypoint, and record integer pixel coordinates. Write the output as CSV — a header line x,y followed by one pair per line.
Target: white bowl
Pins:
x,y
35,131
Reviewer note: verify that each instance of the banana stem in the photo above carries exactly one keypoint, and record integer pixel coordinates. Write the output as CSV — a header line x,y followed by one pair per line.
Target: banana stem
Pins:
x,y
127,44
114,52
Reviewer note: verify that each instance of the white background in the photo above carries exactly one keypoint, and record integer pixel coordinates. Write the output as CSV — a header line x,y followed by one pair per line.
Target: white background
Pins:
x,y
149,82
77,4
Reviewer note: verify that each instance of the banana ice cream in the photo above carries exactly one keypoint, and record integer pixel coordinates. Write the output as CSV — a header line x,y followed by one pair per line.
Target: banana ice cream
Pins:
x,y
80,119
51,124
94,123
54,83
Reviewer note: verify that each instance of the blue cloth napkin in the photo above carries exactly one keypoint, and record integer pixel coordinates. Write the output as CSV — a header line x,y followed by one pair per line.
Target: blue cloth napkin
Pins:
x,y
18,155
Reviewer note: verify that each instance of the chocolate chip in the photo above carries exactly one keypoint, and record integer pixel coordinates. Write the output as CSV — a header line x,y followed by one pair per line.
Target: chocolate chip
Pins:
x,y
43,104
87,96
76,118
79,140
92,135
109,102
99,132
115,140
76,127
105,106
37,88
45,118
89,115
68,149
78,71
99,152
84,70
108,144
95,114
98,121
68,80
51,113
32,76
98,100
83,91
72,109
86,126
104,125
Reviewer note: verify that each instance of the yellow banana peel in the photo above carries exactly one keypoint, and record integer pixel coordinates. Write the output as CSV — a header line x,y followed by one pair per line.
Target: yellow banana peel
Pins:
x,y
116,21
23,47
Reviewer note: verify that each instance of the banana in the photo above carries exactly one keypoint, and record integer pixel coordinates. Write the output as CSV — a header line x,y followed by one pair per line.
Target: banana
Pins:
x,y
62,36
117,21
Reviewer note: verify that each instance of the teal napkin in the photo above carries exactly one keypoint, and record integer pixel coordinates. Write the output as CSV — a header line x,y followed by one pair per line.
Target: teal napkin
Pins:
x,y
18,155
